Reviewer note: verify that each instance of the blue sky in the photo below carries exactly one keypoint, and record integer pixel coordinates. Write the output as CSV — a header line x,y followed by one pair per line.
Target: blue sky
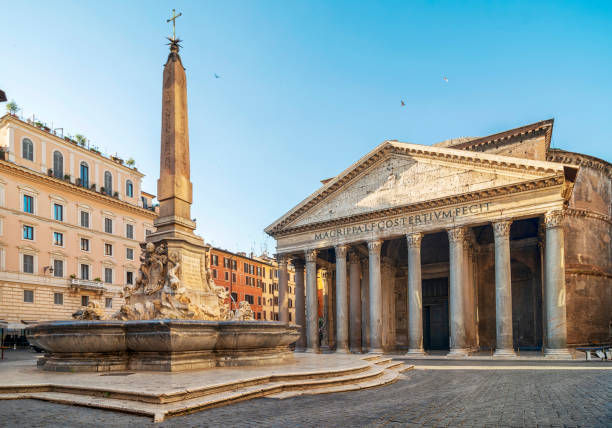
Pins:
x,y
307,88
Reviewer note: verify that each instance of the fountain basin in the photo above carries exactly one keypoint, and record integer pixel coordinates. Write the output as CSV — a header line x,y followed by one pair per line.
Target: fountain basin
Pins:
x,y
161,345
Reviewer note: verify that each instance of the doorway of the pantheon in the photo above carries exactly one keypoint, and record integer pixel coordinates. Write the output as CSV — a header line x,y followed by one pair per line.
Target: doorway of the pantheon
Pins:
x,y
435,314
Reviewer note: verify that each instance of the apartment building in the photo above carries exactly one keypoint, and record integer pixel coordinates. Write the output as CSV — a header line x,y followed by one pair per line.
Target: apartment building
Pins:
x,y
71,221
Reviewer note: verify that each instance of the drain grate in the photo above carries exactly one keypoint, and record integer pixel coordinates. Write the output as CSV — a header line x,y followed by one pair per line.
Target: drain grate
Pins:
x,y
116,374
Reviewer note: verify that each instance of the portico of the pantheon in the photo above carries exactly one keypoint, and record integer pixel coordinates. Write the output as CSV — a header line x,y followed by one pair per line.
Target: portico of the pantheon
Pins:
x,y
496,243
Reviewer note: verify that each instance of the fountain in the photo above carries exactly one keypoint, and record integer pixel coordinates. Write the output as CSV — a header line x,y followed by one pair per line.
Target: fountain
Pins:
x,y
175,317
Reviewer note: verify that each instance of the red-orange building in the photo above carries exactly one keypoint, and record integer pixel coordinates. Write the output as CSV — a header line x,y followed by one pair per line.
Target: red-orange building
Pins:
x,y
241,275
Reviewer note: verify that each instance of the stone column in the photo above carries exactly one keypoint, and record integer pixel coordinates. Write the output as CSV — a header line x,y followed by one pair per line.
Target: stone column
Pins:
x,y
415,303
365,306
556,324
283,289
375,297
355,301
327,315
312,309
458,346
300,308
342,303
503,290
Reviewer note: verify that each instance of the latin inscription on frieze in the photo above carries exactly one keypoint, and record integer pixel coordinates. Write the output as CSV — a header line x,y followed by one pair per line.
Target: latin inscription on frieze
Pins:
x,y
427,217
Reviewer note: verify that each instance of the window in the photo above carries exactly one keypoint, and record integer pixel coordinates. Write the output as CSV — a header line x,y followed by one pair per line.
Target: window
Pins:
x,y
129,278
226,262
258,315
246,268
84,175
290,320
249,299
58,239
84,271
58,268
233,277
129,231
144,202
58,165
234,297
28,204
84,219
214,260
108,275
214,271
27,149
227,276
108,225
28,296
108,183
84,300
84,244
129,189
148,232
28,232
289,303
58,298
28,263
129,253
108,302
259,300
58,212
108,249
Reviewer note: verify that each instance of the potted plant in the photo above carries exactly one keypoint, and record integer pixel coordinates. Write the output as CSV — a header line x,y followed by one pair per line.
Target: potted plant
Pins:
x,y
95,150
130,162
116,194
12,107
102,189
72,276
97,280
50,172
78,181
67,177
93,187
80,139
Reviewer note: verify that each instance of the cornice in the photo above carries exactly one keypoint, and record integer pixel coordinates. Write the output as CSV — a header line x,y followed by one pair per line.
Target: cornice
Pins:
x,y
588,214
456,157
572,158
73,188
15,121
537,184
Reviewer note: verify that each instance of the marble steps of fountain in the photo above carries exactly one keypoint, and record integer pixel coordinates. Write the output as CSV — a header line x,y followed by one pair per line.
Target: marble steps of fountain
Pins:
x,y
285,386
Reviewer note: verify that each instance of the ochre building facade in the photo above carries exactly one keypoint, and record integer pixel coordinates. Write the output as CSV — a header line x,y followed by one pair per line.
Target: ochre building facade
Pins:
x,y
496,243
71,221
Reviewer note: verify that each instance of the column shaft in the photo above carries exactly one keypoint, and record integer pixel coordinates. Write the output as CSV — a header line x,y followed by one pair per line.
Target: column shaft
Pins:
x,y
312,309
365,307
355,302
556,323
300,304
342,303
283,290
415,303
458,346
503,290
375,297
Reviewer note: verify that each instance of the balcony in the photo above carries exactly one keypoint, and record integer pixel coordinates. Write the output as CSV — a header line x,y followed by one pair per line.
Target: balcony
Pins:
x,y
87,285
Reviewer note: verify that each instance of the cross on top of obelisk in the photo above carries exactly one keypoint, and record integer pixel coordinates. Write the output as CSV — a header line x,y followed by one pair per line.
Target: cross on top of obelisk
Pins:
x,y
173,19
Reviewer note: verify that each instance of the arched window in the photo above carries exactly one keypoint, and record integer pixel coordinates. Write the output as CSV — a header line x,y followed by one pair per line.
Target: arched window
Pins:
x,y
58,165
27,149
108,183
129,189
84,174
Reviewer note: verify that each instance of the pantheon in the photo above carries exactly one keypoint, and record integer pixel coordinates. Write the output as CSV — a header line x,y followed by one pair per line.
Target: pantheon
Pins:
x,y
497,243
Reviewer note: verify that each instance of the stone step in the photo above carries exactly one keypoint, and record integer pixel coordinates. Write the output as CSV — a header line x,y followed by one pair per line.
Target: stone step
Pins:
x,y
382,361
392,365
372,357
374,375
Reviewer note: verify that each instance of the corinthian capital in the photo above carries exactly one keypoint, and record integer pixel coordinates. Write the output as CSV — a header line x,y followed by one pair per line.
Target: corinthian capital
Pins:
x,y
311,256
375,246
341,251
553,219
414,240
456,234
501,229
354,257
282,261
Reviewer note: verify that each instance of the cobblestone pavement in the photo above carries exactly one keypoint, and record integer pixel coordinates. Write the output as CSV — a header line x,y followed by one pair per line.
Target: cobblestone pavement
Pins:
x,y
422,398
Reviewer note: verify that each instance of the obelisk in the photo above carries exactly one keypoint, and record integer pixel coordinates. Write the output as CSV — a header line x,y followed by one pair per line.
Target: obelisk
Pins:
x,y
174,189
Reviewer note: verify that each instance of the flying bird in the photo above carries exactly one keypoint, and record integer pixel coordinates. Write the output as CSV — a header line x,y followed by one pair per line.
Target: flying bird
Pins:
x,y
217,76
403,103
445,79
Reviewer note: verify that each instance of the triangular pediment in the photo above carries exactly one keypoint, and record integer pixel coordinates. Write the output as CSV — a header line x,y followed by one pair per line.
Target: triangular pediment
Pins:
x,y
400,174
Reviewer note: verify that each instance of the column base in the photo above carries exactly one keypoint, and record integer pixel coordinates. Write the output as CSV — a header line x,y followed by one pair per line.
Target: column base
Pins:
x,y
342,351
312,351
356,350
376,351
458,353
504,353
558,354
300,349
415,353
